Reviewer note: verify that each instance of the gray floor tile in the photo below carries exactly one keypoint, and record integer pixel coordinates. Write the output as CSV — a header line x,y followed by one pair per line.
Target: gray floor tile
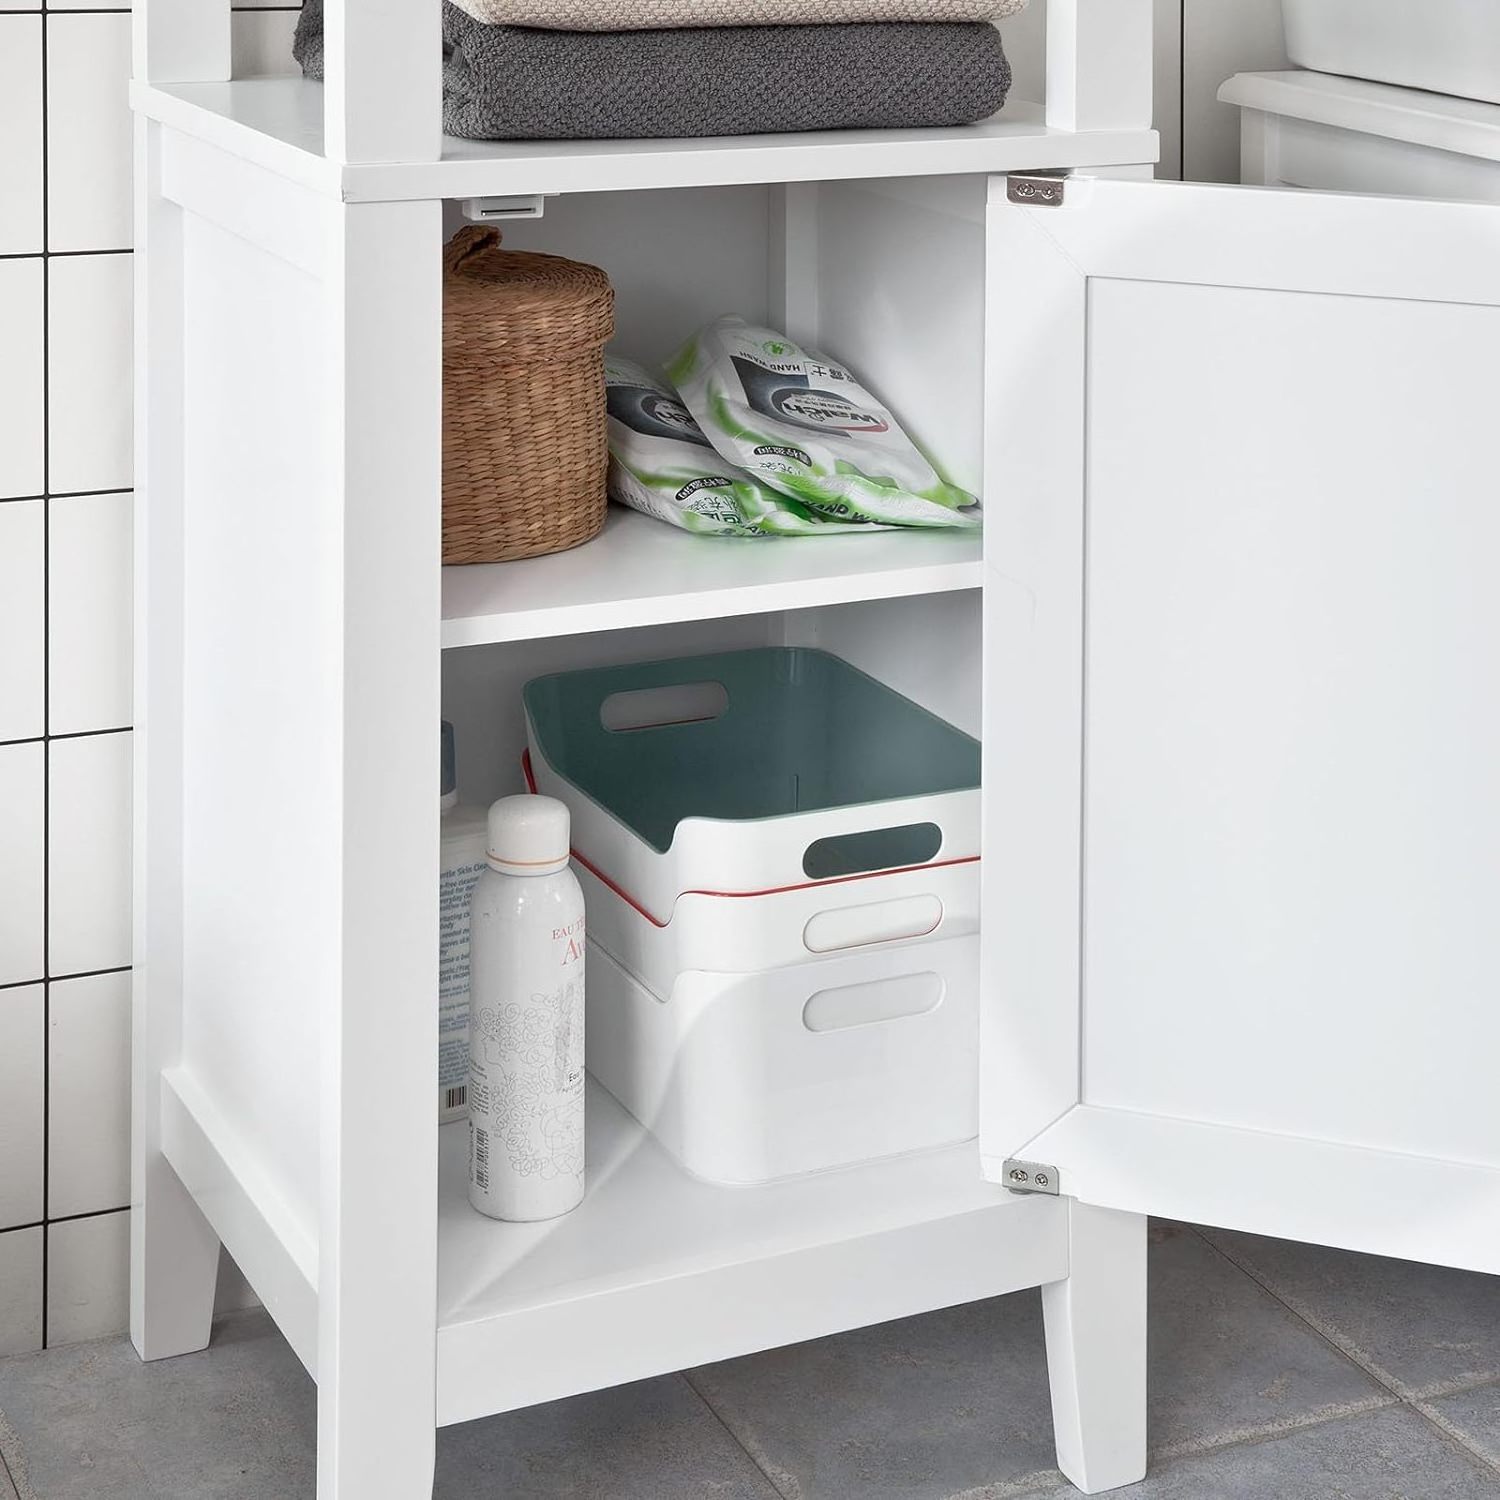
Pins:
x,y
236,1422
957,1401
921,1409
654,1440
7,1488
1472,1416
1391,1454
1426,1329
1227,1360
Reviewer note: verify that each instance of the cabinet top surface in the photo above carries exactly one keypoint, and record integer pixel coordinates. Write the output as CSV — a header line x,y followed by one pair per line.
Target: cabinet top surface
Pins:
x,y
277,123
1468,127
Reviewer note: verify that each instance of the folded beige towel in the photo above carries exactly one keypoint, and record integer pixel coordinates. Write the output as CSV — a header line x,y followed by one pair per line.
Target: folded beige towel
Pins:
x,y
655,15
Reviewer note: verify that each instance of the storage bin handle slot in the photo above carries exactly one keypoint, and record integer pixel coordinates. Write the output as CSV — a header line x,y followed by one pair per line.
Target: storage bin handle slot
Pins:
x,y
875,1000
874,922
872,849
657,707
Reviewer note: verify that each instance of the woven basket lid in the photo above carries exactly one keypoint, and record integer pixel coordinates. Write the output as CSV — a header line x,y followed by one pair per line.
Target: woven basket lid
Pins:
x,y
539,306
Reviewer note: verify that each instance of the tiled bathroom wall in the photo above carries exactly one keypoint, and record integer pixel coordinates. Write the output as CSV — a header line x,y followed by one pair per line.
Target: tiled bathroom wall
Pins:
x,y
65,598
65,665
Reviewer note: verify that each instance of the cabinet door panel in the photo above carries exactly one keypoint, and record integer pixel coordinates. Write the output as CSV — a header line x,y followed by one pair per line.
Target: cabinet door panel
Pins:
x,y
1280,731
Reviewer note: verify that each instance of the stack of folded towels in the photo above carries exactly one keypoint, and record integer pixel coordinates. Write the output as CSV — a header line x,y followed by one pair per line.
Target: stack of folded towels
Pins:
x,y
588,69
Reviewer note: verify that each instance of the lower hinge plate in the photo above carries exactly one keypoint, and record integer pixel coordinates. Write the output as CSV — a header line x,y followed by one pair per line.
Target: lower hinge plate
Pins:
x,y
1030,1177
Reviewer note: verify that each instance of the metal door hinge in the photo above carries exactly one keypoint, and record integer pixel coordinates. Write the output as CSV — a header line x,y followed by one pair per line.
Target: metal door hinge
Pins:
x,y
1039,189
1030,1177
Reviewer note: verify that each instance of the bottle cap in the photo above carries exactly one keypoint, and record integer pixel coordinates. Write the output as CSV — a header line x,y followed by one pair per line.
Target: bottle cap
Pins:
x,y
448,796
528,835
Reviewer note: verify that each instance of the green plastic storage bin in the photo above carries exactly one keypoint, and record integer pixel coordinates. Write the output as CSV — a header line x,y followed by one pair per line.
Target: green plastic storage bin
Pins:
x,y
749,771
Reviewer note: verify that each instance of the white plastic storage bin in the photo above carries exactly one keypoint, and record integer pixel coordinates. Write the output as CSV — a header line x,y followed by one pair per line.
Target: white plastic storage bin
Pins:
x,y
746,1078
1443,46
741,934
748,772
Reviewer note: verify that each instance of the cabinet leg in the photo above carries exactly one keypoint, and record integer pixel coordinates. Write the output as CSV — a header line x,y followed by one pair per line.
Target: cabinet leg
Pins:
x,y
1096,1350
174,1267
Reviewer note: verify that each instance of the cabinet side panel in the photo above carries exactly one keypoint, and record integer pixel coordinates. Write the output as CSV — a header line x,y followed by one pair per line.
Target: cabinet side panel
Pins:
x,y
261,705
900,297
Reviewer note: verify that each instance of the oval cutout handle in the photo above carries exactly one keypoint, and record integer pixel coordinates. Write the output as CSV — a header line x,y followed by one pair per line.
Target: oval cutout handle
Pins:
x,y
874,1001
875,922
658,707
872,849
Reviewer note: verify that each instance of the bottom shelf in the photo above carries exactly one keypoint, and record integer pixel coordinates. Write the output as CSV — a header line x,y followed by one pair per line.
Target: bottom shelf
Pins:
x,y
658,1271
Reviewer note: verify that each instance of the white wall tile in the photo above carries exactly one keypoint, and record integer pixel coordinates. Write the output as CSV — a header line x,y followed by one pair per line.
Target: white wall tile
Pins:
x,y
1219,40
89,414
88,856
261,44
88,612
88,132
88,4
22,825
88,1105
22,305
22,619
88,1278
20,135
21,1135
20,1291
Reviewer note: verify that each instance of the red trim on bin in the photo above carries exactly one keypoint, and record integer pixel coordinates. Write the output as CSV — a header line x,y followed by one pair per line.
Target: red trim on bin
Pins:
x,y
775,890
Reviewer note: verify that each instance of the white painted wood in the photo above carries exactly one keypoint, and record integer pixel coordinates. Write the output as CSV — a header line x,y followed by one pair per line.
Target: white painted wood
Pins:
x,y
270,1240
1463,126
254,203
794,262
610,1293
277,122
900,268
1381,1202
378,1042
1291,823
1095,1323
174,1254
382,99
1033,651
639,572
178,40
1300,153
1099,65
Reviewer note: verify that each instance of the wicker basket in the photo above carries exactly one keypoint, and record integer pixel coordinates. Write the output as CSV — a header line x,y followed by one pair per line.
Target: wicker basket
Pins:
x,y
524,441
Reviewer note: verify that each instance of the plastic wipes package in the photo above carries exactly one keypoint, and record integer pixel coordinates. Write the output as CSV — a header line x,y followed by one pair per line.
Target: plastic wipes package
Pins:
x,y
805,426
660,463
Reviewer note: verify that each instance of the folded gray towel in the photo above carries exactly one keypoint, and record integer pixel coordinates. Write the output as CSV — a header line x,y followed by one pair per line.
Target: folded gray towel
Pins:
x,y
514,83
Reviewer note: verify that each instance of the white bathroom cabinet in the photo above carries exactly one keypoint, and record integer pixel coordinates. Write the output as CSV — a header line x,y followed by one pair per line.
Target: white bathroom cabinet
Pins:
x,y
1230,636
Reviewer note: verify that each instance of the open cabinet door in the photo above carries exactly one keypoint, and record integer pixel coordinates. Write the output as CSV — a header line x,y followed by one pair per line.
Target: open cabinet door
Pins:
x,y
1242,722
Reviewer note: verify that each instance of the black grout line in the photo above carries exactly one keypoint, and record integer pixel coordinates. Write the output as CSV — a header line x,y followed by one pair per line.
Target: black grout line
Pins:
x,y
67,734
64,254
26,984
46,691
43,1224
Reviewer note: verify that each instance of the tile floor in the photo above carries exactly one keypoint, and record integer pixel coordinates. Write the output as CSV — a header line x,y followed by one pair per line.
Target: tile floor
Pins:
x,y
1278,1372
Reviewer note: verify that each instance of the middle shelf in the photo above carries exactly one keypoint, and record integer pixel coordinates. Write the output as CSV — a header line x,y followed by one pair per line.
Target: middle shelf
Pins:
x,y
641,572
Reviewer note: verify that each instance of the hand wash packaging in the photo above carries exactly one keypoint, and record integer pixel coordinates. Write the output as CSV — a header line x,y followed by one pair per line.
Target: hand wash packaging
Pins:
x,y
460,865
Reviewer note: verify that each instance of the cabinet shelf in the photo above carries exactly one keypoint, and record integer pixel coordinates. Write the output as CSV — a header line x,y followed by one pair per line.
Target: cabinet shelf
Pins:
x,y
659,1271
640,571
277,123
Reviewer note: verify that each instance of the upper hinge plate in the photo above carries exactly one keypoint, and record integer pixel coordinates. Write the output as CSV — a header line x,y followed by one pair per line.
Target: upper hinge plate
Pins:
x,y
1030,1177
1036,189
